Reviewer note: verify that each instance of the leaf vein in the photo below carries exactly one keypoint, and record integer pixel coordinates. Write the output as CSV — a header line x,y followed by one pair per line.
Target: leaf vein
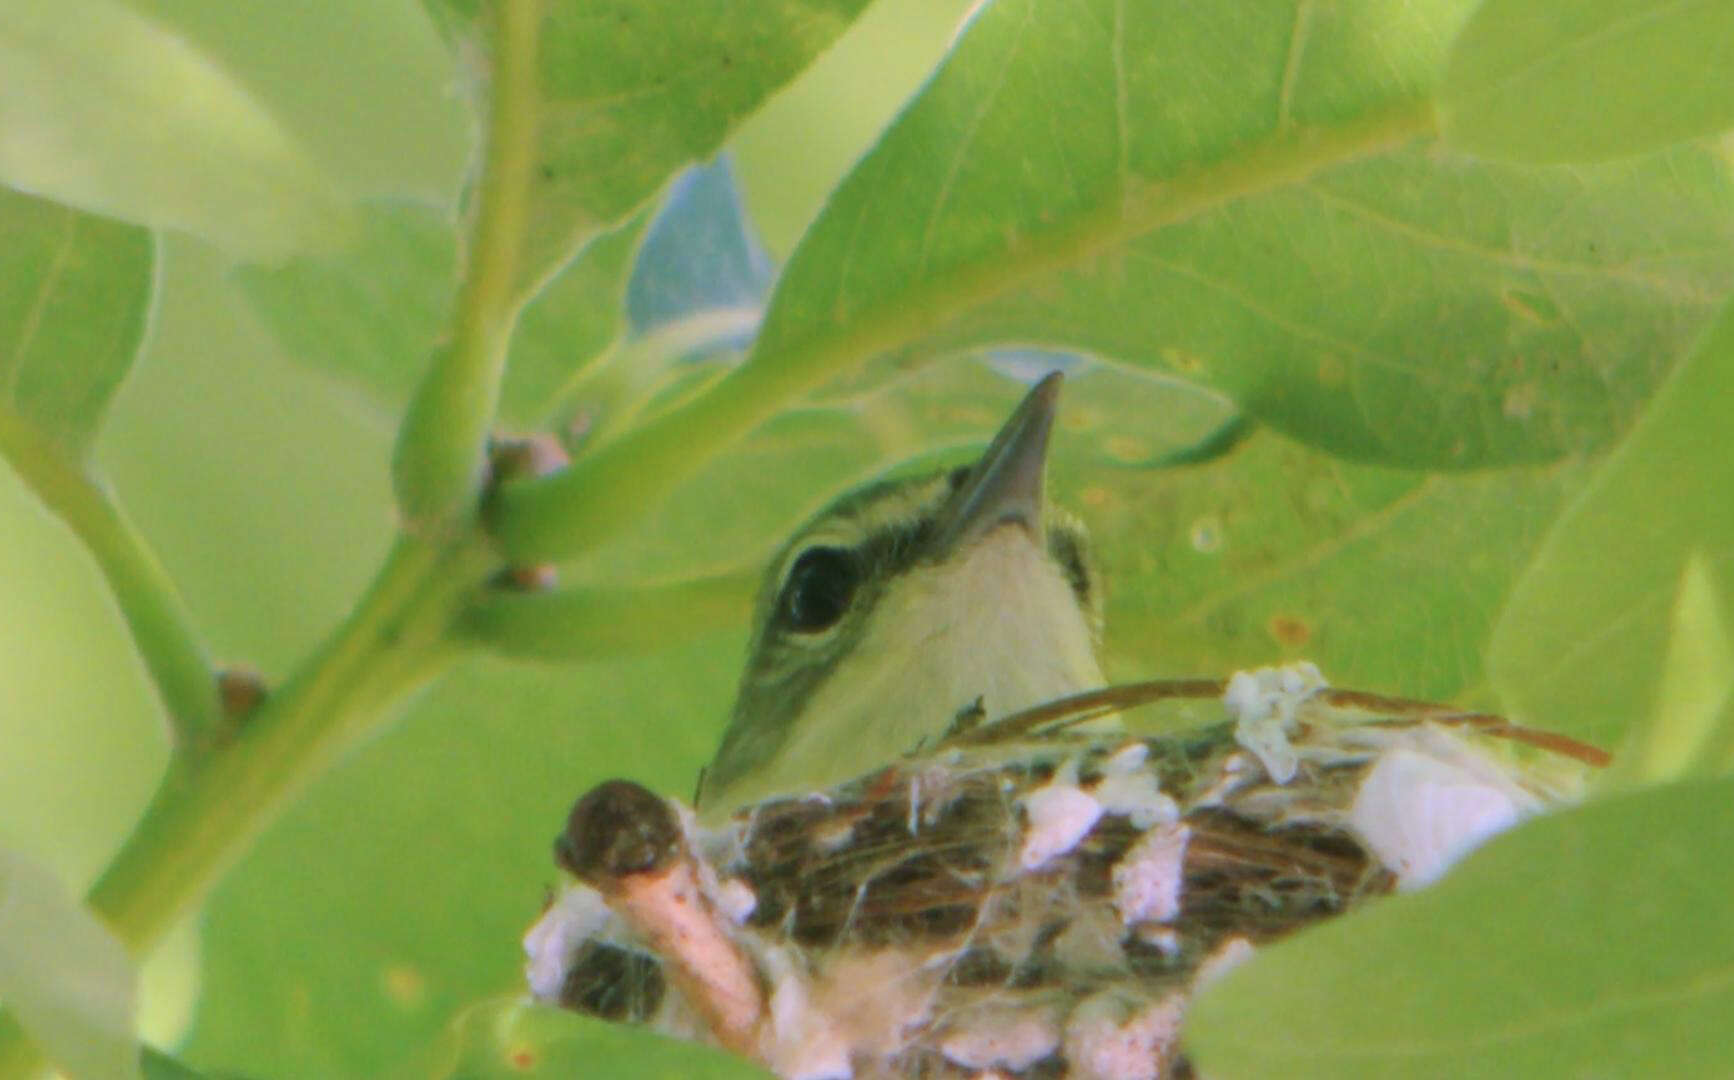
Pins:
x,y
966,138
39,303
1428,239
1297,43
1568,45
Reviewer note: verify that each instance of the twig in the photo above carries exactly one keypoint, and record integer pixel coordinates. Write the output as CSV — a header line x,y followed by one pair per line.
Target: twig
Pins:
x,y
162,629
440,460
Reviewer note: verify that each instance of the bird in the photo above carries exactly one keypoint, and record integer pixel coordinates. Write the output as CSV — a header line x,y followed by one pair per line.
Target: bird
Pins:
x,y
905,607
928,847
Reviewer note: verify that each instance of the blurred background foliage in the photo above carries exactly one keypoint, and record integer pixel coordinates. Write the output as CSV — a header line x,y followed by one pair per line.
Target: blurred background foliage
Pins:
x,y
231,454
1428,526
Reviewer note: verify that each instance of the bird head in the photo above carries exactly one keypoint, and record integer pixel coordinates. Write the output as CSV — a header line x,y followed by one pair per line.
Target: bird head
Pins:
x,y
902,604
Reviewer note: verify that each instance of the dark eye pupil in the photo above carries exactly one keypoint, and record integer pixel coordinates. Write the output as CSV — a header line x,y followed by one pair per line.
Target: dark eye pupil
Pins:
x,y
819,589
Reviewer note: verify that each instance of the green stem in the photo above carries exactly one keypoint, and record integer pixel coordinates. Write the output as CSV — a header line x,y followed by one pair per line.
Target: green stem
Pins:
x,y
441,450
211,806
220,794
627,376
568,513
208,811
592,623
157,619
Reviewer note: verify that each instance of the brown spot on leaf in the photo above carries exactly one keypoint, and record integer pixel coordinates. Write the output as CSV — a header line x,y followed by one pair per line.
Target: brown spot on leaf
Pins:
x,y
1289,630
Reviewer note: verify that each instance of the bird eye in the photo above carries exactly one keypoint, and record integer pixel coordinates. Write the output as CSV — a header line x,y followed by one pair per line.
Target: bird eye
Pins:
x,y
819,588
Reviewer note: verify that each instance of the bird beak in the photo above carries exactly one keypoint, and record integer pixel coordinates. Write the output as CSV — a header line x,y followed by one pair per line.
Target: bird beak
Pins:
x,y
1006,484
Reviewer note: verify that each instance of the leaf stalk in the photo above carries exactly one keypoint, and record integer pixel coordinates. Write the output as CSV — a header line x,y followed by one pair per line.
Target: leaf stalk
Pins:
x,y
161,627
439,463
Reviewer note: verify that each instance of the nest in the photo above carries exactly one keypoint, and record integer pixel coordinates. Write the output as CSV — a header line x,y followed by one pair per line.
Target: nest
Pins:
x,y
1022,900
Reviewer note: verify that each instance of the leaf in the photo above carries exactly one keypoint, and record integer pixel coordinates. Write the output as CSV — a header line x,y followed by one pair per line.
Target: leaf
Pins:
x,y
65,976
1224,194
576,318
939,416
1582,638
515,1038
112,111
365,88
1583,80
1591,942
372,313
1694,690
75,295
160,1066
1389,580
635,89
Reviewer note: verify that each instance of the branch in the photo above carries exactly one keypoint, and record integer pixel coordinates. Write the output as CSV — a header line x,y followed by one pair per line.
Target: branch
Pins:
x,y
591,623
212,805
439,463
161,628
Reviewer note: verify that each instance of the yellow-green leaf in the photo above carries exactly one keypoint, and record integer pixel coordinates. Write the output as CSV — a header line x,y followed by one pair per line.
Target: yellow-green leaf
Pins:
x,y
1594,942
1583,80
75,294
1581,643
108,109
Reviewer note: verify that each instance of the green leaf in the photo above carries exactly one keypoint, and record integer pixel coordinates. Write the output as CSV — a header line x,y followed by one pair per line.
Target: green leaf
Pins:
x,y
574,320
109,109
1229,194
371,314
1695,689
75,295
1414,312
68,980
1589,943
160,1066
1183,195
1390,580
1583,80
938,415
1581,642
507,1039
365,88
635,89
